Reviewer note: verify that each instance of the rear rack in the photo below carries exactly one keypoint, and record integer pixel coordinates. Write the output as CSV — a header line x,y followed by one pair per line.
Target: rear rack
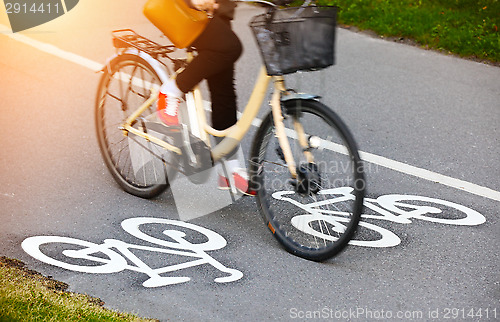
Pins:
x,y
126,38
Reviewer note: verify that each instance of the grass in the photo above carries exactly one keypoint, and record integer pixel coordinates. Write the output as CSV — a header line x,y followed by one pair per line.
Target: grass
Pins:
x,y
467,28
28,296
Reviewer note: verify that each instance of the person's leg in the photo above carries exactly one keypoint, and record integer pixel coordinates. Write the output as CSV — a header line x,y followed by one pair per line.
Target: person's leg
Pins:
x,y
218,49
224,109
223,97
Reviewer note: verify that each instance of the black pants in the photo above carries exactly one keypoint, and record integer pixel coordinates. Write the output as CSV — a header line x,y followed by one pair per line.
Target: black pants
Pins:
x,y
218,49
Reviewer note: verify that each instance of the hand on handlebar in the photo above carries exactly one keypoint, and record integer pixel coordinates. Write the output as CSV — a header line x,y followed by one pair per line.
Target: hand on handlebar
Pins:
x,y
205,5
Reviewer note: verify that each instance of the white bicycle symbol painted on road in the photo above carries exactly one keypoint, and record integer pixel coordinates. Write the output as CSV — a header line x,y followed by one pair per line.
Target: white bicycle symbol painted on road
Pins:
x,y
100,258
395,208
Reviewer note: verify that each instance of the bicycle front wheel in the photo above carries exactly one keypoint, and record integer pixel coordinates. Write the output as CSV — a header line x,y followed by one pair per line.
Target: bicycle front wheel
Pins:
x,y
314,215
136,164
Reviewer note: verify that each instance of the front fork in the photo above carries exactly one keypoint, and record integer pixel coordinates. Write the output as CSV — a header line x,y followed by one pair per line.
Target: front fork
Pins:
x,y
281,132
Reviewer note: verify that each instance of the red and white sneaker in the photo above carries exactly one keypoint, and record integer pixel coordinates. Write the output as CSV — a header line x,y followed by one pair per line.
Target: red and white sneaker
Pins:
x,y
240,178
168,109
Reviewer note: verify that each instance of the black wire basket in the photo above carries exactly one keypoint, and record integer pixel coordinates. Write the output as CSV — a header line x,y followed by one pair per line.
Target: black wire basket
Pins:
x,y
296,39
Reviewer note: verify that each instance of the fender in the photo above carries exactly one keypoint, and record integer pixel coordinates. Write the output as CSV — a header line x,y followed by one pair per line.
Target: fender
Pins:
x,y
299,96
155,64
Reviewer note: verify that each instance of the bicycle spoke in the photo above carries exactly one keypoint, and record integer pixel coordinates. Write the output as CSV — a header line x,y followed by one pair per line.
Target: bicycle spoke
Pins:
x,y
125,88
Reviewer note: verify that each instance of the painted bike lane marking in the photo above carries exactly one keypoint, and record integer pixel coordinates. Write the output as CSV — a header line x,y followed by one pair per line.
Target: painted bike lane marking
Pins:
x,y
365,156
395,208
182,239
113,256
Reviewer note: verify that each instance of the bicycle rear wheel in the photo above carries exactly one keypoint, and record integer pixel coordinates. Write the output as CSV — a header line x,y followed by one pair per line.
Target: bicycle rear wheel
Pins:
x,y
136,164
316,215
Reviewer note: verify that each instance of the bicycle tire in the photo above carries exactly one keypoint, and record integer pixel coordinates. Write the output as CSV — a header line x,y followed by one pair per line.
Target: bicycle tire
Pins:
x,y
336,164
135,164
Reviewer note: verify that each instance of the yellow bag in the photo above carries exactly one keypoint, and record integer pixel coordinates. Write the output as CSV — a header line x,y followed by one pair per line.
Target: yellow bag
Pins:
x,y
180,23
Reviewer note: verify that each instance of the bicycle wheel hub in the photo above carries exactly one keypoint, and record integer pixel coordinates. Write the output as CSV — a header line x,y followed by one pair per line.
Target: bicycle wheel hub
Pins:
x,y
308,180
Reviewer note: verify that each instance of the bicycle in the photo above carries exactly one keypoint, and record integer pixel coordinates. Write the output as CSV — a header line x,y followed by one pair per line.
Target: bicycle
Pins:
x,y
301,145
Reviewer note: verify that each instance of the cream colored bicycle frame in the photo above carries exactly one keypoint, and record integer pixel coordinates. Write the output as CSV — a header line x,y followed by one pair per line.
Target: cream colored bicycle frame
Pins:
x,y
234,134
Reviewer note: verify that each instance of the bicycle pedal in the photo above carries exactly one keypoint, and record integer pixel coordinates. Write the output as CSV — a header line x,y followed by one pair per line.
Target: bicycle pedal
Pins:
x,y
308,180
279,152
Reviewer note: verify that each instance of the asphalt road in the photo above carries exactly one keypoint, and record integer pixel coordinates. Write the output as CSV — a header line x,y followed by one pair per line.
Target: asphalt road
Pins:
x,y
428,126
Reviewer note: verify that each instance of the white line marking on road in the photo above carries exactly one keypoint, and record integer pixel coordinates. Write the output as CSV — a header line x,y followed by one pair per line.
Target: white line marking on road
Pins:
x,y
367,157
431,176
53,50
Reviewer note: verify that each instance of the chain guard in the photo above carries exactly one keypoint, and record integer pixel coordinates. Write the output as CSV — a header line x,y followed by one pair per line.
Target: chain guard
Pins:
x,y
196,170
196,156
